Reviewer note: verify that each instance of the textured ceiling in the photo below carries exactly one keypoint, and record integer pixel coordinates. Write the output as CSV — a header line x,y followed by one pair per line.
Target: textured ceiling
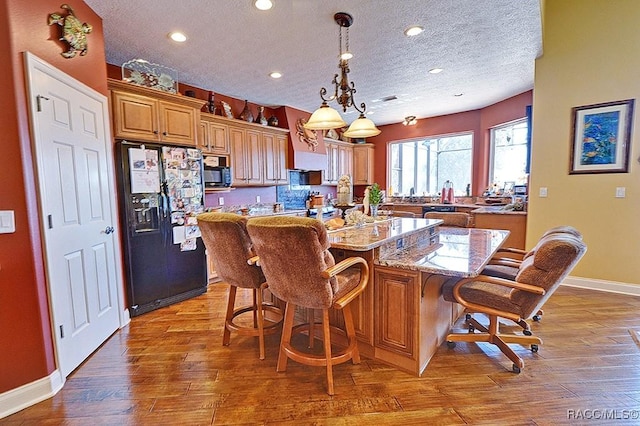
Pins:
x,y
487,49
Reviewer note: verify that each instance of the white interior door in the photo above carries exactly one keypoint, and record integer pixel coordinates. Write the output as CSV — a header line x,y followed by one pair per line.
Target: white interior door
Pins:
x,y
74,157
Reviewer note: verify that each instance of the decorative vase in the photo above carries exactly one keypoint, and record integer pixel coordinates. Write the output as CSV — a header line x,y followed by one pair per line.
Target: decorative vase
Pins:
x,y
246,113
374,210
273,121
261,119
211,105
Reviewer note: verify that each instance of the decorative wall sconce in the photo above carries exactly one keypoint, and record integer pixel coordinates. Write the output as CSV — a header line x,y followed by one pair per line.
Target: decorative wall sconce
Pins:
x,y
74,32
410,120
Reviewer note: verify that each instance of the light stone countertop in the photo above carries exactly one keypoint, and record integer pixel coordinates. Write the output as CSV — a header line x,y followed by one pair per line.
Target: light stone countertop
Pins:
x,y
459,252
375,234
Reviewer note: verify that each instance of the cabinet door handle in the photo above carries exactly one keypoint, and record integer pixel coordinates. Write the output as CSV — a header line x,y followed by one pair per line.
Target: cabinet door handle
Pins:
x,y
155,132
164,133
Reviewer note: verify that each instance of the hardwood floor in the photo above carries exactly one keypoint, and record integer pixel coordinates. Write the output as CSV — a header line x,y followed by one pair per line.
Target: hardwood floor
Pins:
x,y
169,367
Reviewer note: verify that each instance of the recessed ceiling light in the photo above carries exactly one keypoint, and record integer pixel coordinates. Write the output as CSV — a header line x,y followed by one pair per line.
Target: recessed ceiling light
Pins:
x,y
263,4
275,74
413,31
178,36
435,70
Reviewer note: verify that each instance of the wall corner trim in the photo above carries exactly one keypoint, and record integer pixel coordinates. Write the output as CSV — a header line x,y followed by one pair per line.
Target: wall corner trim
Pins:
x,y
30,394
603,285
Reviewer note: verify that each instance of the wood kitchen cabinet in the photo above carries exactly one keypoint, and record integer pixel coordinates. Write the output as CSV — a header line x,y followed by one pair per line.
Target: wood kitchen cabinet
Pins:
x,y
339,161
274,148
214,135
363,161
246,157
516,223
144,114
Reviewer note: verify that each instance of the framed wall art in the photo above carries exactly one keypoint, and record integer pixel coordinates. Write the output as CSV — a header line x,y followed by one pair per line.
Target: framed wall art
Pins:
x,y
601,137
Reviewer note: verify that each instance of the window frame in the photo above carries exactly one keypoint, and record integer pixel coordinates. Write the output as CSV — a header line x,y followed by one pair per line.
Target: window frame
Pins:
x,y
426,138
492,148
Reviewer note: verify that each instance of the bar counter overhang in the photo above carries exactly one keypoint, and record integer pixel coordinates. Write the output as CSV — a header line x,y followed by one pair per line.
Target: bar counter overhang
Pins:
x,y
401,318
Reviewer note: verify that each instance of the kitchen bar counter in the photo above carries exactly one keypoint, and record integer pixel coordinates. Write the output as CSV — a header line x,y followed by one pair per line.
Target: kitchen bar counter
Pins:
x,y
401,318
375,234
460,252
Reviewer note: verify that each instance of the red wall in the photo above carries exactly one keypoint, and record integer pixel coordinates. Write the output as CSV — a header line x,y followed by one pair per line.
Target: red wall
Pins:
x,y
478,121
26,348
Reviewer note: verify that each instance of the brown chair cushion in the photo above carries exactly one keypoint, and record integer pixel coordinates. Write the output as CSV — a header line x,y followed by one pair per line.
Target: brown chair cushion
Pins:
x,y
293,254
229,246
457,219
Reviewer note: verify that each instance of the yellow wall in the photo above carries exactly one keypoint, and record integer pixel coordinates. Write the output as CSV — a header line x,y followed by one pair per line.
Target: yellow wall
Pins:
x,y
591,55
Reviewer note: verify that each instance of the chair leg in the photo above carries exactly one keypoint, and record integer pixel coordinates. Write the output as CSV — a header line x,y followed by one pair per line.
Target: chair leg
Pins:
x,y
256,306
351,334
312,322
327,349
260,320
229,315
285,341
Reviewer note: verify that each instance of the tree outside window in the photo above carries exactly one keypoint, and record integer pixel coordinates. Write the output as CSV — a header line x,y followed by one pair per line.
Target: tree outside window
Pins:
x,y
421,167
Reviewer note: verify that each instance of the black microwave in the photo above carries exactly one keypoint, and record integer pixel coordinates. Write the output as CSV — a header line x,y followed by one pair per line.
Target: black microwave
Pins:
x,y
217,176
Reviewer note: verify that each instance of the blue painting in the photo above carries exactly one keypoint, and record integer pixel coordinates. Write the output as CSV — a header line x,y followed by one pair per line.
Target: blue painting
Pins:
x,y
600,136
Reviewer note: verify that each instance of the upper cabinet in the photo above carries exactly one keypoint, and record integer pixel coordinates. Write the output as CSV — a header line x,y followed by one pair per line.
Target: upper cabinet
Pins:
x,y
274,147
144,114
344,158
363,162
258,153
214,135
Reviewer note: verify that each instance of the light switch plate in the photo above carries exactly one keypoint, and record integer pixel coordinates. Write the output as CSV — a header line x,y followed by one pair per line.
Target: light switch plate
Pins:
x,y
7,222
221,201
620,192
543,191
257,198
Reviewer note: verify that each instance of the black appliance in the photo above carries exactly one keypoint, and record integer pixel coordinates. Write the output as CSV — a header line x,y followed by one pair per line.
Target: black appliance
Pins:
x,y
160,190
440,208
217,176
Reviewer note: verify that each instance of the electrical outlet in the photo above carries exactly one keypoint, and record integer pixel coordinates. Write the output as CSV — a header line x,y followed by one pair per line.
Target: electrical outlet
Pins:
x,y
620,192
257,198
221,201
543,191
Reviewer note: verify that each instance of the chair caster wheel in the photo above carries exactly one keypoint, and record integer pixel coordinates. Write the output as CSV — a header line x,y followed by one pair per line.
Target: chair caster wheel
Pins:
x,y
450,344
471,328
467,317
534,348
536,318
515,369
527,332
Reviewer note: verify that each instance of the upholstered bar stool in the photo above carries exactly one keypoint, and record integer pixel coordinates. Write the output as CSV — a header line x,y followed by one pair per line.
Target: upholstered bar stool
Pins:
x,y
457,219
295,258
539,275
227,241
506,263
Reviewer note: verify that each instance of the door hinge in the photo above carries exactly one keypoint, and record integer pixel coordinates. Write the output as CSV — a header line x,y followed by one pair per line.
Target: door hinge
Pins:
x,y
62,331
39,99
50,220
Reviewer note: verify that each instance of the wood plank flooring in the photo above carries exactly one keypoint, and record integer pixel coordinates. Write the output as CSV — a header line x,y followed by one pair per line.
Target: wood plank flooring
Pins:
x,y
169,367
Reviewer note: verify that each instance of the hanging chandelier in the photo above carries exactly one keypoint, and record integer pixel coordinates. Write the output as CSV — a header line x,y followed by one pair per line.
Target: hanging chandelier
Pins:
x,y
325,117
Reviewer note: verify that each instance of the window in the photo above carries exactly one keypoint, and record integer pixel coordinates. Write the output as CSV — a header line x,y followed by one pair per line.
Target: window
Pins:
x,y
422,166
509,153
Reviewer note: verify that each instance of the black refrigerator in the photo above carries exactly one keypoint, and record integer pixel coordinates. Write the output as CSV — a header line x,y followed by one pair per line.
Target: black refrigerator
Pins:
x,y
160,190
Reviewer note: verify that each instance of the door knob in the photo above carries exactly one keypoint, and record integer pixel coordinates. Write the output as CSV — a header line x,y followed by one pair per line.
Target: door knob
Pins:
x,y
108,230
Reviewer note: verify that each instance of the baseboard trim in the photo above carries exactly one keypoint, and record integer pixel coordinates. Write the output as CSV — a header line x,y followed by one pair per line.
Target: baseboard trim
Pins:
x,y
27,395
602,285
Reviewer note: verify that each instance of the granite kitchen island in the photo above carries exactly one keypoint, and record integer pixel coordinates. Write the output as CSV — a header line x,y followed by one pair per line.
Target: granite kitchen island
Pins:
x,y
401,318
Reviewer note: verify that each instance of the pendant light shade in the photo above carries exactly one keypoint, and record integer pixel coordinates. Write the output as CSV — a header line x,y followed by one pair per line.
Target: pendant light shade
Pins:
x,y
325,118
362,128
